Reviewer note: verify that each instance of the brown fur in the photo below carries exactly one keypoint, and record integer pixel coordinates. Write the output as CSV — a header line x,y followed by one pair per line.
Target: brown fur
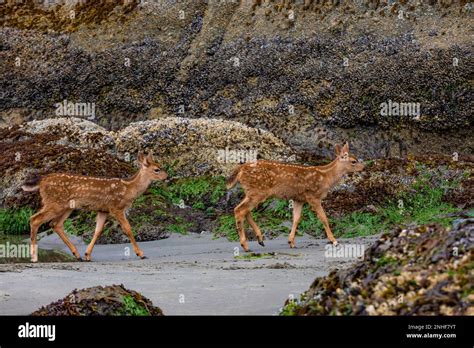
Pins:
x,y
264,179
62,193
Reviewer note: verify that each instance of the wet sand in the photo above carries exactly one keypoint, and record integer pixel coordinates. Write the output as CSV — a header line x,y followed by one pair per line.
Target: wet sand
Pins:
x,y
183,275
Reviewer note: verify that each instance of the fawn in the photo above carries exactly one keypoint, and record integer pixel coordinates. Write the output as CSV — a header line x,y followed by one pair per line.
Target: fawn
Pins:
x,y
264,179
62,193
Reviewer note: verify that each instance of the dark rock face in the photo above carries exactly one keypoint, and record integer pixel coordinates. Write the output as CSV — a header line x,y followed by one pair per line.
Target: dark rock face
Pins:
x,y
422,270
101,300
313,80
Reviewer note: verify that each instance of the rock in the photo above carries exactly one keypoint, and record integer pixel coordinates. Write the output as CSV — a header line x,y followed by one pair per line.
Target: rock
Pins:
x,y
371,208
461,222
101,300
200,146
406,272
44,256
248,64
58,145
72,131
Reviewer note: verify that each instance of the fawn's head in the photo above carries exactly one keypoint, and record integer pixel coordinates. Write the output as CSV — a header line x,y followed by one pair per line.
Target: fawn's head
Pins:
x,y
150,168
345,161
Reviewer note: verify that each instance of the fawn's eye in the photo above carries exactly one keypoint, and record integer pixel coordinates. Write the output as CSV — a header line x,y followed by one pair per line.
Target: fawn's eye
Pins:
x,y
354,161
157,170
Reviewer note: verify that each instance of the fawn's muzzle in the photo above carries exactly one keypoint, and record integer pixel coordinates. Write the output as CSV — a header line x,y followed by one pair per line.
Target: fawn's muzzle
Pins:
x,y
359,167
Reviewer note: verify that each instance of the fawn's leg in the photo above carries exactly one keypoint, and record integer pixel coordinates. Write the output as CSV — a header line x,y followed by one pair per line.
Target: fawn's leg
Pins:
x,y
36,221
120,216
100,221
318,209
255,227
239,221
44,215
297,208
58,228
241,211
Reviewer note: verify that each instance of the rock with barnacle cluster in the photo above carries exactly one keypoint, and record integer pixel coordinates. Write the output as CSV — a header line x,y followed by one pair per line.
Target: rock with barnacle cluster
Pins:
x,y
101,300
423,270
200,146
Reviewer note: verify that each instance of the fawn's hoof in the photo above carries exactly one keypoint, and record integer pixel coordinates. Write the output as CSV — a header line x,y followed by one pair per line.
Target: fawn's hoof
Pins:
x,y
335,243
291,244
143,257
261,243
79,259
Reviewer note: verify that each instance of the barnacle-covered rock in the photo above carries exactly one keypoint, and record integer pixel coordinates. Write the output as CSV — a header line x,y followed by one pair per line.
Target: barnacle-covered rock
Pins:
x,y
405,283
71,131
313,76
101,300
200,146
43,147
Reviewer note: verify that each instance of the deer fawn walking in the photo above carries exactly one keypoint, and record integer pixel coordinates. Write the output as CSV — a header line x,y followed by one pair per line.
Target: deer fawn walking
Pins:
x,y
264,179
62,193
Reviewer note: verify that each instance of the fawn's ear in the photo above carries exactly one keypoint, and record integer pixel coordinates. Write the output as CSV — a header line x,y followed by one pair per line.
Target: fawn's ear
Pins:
x,y
149,158
142,159
345,148
338,149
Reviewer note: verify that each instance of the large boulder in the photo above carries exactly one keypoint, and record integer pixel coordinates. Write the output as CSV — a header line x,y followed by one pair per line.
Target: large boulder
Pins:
x,y
199,146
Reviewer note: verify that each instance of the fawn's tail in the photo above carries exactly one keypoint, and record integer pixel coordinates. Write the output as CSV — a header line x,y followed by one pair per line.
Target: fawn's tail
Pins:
x,y
32,185
29,188
232,179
